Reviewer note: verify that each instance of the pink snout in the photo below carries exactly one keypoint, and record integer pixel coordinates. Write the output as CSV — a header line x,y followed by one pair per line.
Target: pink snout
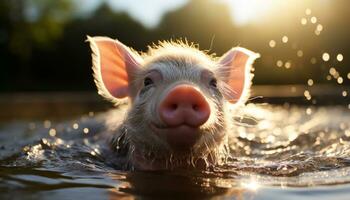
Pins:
x,y
183,110
184,105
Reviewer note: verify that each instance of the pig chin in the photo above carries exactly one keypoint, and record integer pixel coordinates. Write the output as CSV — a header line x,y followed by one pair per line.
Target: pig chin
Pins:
x,y
186,147
180,138
185,139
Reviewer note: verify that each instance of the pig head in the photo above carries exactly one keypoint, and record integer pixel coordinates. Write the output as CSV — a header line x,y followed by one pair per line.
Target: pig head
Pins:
x,y
181,101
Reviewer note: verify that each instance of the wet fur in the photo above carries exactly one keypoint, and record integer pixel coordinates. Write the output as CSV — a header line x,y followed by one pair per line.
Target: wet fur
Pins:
x,y
178,62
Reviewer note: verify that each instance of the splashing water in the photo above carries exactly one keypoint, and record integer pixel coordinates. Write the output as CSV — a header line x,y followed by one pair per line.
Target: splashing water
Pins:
x,y
290,142
273,146
329,63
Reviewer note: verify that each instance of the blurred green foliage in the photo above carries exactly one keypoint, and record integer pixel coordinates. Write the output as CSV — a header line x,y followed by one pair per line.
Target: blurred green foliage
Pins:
x,y
42,42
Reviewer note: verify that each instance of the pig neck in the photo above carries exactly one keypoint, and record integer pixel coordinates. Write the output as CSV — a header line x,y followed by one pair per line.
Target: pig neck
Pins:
x,y
204,162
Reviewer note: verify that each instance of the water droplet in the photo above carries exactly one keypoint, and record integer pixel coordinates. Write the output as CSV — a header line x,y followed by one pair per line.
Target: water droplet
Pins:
x,y
307,95
332,71
52,132
347,132
250,136
47,123
93,153
272,43
300,53
313,60
308,111
86,130
270,139
242,134
349,75
308,11
317,32
340,80
313,20
284,39
336,75
340,57
292,135
279,63
325,57
345,93
44,140
310,82
329,77
303,21
58,141
75,126
319,27
287,65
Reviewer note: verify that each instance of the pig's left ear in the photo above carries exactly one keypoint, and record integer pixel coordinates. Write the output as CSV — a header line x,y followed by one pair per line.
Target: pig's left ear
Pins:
x,y
114,66
234,73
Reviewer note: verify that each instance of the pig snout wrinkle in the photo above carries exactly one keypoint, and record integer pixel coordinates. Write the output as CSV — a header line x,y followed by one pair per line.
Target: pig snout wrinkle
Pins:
x,y
184,105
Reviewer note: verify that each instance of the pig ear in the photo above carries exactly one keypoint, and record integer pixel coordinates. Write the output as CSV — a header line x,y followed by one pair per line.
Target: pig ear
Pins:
x,y
114,65
234,72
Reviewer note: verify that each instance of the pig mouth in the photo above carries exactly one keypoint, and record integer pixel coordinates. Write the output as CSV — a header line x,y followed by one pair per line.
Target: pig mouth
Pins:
x,y
180,138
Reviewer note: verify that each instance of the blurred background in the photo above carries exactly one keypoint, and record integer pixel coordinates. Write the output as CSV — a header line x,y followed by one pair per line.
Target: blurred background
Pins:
x,y
44,59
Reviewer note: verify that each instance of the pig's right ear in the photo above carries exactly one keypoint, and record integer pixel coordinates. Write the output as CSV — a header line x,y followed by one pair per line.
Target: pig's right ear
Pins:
x,y
114,65
234,71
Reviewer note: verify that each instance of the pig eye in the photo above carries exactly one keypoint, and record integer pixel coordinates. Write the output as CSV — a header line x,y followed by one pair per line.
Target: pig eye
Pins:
x,y
147,82
213,82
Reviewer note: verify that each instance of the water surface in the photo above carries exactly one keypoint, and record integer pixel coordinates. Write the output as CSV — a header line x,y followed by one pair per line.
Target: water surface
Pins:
x,y
280,152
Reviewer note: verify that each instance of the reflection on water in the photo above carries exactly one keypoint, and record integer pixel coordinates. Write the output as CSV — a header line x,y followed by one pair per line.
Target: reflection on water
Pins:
x,y
274,146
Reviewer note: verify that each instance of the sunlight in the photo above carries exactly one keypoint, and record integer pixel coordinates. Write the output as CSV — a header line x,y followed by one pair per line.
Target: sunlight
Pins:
x,y
252,185
246,11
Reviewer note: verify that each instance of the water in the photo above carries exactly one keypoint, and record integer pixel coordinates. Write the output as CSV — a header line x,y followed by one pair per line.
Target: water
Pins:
x,y
280,152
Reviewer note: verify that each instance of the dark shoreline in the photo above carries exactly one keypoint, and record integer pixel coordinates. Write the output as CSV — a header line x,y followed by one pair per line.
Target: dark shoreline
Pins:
x,y
60,105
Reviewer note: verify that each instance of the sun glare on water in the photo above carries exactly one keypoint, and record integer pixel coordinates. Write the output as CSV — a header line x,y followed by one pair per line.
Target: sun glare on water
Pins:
x,y
251,185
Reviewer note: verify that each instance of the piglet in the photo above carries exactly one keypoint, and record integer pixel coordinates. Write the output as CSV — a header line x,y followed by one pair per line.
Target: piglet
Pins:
x,y
180,101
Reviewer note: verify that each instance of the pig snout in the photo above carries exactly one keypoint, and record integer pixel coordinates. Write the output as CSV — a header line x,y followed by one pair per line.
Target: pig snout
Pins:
x,y
183,110
184,105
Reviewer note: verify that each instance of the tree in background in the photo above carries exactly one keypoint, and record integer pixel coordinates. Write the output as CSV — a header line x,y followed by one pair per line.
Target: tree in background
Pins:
x,y
42,42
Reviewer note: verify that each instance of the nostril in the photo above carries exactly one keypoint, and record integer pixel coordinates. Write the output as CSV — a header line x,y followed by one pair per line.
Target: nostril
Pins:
x,y
173,106
195,107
